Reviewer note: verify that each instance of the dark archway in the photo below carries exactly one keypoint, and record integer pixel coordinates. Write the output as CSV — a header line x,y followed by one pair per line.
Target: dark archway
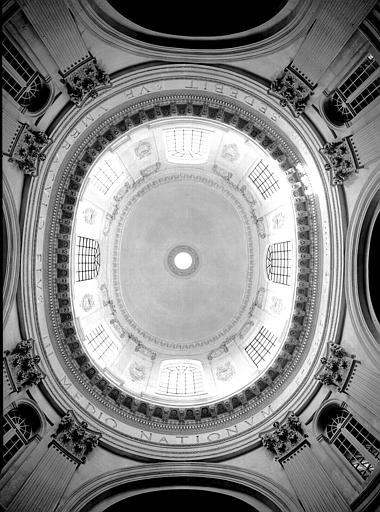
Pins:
x,y
4,233
373,261
172,500
202,20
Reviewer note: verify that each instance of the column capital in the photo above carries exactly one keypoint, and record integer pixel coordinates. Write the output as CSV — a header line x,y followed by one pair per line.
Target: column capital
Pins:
x,y
74,438
341,160
22,365
337,364
85,81
286,436
28,149
293,90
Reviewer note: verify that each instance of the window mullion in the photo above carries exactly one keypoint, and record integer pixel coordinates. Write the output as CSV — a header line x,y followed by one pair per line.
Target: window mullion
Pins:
x,y
361,448
363,86
13,73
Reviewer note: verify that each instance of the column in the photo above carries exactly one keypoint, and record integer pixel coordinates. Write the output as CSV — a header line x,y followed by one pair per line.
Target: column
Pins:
x,y
54,24
46,485
349,376
366,142
336,22
312,485
11,128
363,385
56,27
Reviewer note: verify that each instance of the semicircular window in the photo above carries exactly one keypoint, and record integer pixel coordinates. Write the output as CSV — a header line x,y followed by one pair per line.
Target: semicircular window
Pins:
x,y
357,91
181,378
21,81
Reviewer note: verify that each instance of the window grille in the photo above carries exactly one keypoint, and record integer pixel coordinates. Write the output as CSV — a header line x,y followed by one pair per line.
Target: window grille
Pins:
x,y
16,433
16,60
360,89
359,76
264,180
10,84
20,80
278,262
181,379
100,344
357,445
88,258
260,346
187,144
105,176
366,97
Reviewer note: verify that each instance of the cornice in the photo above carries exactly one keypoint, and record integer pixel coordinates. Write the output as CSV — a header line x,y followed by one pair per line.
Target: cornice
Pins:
x,y
140,78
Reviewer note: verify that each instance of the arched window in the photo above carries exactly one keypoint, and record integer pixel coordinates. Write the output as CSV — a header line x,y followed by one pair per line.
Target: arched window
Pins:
x,y
358,90
355,443
88,258
278,262
19,426
181,378
21,81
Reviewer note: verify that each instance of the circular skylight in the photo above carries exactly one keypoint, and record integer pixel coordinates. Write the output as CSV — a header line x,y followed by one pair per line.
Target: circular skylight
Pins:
x,y
185,258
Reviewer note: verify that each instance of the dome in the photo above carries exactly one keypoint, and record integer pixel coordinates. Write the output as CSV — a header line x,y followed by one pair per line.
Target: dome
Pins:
x,y
189,257
170,219
188,272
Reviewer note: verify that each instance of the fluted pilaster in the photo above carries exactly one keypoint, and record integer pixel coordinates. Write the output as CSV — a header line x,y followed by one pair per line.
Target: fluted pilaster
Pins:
x,y
336,22
351,377
45,486
366,142
311,483
363,385
54,24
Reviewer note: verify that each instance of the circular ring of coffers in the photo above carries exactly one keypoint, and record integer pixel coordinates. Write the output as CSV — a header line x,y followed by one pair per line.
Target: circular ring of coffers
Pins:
x,y
128,406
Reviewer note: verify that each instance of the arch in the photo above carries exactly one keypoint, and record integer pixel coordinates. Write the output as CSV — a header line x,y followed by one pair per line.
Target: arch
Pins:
x,y
270,36
319,419
357,244
11,249
40,420
21,424
117,485
175,497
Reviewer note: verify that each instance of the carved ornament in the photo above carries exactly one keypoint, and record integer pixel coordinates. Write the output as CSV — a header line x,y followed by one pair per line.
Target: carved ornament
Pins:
x,y
85,81
341,160
285,437
336,365
28,150
75,438
22,365
292,90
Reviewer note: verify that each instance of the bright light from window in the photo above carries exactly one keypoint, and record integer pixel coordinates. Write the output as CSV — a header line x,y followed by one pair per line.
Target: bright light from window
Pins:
x,y
181,378
187,144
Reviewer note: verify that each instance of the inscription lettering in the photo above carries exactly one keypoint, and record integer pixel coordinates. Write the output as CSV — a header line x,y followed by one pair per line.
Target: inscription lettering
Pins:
x,y
267,411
